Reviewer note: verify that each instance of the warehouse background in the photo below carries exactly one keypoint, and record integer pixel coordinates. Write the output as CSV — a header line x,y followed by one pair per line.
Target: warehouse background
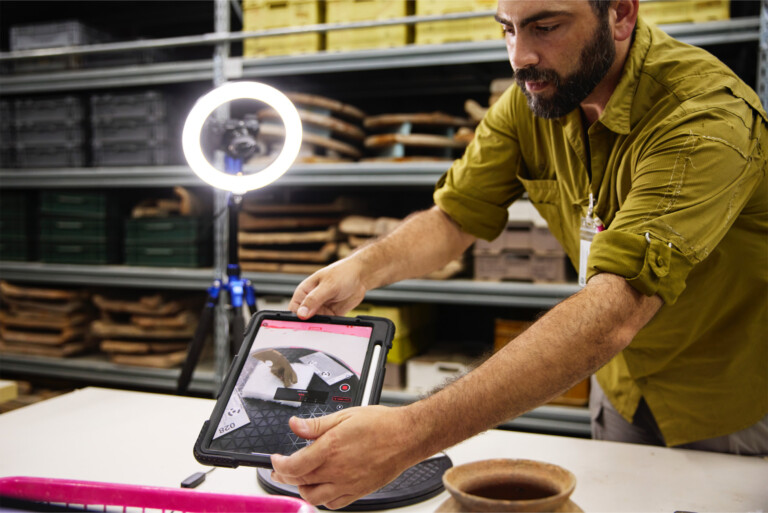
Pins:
x,y
106,241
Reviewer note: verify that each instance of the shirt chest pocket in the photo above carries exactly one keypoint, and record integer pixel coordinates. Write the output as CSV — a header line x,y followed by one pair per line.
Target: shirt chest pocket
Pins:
x,y
545,196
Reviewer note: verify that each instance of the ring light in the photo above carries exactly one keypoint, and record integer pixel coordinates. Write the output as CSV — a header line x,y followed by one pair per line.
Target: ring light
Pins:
x,y
240,184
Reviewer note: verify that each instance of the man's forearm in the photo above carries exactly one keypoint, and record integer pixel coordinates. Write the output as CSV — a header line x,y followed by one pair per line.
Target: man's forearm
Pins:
x,y
423,242
564,347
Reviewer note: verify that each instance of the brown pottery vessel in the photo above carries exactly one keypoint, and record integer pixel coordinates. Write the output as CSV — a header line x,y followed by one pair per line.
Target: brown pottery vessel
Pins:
x,y
509,485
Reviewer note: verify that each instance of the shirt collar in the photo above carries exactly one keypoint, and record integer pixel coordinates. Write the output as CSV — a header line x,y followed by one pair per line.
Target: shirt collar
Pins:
x,y
617,114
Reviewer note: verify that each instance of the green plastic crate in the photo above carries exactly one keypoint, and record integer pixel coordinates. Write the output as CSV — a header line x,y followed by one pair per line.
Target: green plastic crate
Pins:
x,y
79,204
166,230
78,253
168,255
79,229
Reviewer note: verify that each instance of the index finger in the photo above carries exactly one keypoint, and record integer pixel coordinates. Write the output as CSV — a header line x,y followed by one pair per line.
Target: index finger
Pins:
x,y
301,292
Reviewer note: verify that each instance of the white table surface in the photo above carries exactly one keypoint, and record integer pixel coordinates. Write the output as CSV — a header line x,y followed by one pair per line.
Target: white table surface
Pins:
x,y
125,437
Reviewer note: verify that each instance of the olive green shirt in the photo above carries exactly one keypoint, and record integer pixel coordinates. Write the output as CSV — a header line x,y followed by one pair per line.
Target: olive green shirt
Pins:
x,y
677,167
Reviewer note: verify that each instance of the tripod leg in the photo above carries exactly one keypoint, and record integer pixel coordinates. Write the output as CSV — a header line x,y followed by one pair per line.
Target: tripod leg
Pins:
x,y
196,345
237,332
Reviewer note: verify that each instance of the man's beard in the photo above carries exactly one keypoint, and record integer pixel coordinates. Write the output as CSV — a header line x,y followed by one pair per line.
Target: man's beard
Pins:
x,y
594,62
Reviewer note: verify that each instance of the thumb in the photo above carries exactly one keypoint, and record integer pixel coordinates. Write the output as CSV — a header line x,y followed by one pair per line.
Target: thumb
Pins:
x,y
313,428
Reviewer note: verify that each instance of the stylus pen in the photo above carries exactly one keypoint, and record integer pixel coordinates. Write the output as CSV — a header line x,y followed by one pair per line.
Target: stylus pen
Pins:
x,y
374,365
196,479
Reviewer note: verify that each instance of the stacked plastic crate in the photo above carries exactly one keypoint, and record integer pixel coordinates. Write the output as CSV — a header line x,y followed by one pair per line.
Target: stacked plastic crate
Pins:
x,y
49,132
17,234
132,129
79,227
179,241
525,251
6,134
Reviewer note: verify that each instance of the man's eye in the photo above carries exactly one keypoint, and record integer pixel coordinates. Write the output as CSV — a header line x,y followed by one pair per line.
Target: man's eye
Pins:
x,y
508,30
546,28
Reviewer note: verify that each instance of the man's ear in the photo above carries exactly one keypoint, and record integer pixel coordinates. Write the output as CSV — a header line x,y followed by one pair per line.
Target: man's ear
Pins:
x,y
626,17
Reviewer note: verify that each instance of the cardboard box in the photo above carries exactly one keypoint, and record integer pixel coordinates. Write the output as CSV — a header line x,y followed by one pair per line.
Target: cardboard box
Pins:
x,y
346,11
425,373
470,29
412,327
273,14
684,11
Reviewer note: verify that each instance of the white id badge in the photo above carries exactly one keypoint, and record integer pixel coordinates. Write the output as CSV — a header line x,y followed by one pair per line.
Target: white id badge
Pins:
x,y
590,226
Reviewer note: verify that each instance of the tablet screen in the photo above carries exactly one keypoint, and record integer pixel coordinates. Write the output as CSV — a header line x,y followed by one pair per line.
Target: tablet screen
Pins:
x,y
303,369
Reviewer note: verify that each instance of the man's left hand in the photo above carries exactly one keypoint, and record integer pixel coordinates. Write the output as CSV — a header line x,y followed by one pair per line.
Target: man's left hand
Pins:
x,y
355,452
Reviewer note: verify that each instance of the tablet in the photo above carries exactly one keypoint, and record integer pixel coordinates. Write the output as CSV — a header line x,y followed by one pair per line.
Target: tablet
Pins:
x,y
291,367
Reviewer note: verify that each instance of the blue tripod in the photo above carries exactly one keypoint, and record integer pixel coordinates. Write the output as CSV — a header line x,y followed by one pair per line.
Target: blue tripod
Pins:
x,y
239,291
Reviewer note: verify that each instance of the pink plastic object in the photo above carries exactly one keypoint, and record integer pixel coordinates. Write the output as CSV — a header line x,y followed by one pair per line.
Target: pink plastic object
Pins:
x,y
120,497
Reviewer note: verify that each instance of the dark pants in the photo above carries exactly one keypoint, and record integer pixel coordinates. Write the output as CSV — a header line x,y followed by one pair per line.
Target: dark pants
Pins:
x,y
608,424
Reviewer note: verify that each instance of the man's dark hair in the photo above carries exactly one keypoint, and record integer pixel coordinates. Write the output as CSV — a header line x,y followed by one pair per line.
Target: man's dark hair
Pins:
x,y
600,7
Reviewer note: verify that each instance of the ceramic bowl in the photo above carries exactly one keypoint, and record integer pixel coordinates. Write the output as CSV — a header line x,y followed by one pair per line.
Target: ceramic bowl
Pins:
x,y
509,485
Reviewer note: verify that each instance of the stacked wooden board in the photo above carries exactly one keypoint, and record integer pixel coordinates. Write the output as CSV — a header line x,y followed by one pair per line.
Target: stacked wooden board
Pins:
x,y
416,136
290,237
43,321
332,131
357,231
149,331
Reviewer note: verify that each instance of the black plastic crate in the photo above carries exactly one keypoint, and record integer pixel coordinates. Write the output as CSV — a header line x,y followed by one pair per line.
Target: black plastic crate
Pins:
x,y
78,253
147,105
61,109
16,250
167,230
16,203
77,203
52,35
144,153
128,130
6,116
168,255
80,229
15,227
50,133
7,155
42,155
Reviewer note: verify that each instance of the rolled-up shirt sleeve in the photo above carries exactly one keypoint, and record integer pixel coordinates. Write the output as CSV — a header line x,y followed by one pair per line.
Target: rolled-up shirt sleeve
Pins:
x,y
685,193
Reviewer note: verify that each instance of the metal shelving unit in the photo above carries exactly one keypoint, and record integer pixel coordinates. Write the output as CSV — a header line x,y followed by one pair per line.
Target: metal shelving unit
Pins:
x,y
736,30
563,420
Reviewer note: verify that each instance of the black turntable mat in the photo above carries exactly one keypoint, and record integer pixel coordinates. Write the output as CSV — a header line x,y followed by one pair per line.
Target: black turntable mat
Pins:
x,y
418,483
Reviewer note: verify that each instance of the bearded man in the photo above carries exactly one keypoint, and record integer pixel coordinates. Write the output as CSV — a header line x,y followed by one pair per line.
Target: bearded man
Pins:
x,y
647,157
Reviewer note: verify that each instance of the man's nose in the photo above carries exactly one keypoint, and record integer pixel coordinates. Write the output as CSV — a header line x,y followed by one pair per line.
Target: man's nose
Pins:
x,y
522,54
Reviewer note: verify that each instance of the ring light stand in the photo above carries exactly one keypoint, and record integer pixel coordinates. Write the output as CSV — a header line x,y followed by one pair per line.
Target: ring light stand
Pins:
x,y
237,139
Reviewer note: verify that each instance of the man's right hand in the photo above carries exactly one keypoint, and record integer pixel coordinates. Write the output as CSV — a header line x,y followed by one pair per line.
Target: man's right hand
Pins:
x,y
333,290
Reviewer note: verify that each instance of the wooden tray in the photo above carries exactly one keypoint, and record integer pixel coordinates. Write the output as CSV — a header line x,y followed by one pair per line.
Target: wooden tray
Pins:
x,y
280,267
268,238
103,329
421,119
66,349
134,347
332,124
149,305
418,140
311,100
250,222
34,319
322,255
276,133
159,361
50,338
13,291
